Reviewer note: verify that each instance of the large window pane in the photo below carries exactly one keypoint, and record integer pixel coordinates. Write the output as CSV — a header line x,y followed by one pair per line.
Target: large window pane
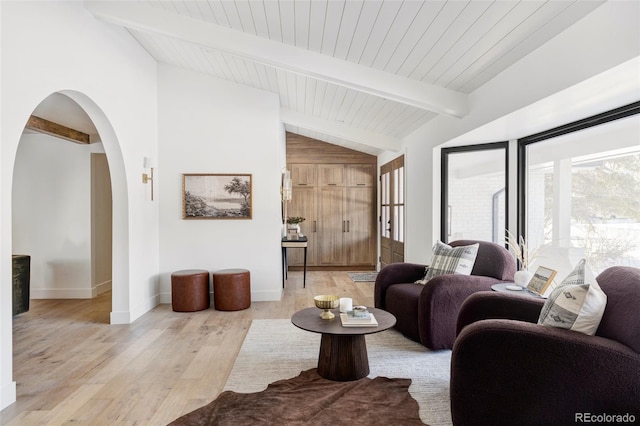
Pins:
x,y
583,197
474,196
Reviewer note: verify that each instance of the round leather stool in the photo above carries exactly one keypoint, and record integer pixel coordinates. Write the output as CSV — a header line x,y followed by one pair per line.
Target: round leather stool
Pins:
x,y
231,289
190,290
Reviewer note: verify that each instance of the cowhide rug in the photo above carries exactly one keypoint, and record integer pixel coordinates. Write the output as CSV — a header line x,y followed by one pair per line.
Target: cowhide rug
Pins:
x,y
308,399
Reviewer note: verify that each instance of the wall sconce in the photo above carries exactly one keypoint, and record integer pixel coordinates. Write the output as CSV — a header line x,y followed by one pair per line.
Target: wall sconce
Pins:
x,y
285,195
148,177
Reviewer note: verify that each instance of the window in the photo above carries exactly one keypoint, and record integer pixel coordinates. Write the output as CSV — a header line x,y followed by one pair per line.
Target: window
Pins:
x,y
582,192
474,195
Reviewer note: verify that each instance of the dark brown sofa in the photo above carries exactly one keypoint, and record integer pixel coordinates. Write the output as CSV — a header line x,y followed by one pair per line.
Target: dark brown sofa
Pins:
x,y
506,369
428,313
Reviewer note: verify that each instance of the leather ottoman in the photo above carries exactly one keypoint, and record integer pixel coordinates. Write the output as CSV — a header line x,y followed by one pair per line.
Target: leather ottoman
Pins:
x,y
231,289
190,290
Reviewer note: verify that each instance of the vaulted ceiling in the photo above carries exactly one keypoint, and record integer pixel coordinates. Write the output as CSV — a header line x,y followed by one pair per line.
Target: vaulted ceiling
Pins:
x,y
360,74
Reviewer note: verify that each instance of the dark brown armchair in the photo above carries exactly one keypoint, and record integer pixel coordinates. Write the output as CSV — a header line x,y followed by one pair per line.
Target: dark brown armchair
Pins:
x,y
428,313
506,369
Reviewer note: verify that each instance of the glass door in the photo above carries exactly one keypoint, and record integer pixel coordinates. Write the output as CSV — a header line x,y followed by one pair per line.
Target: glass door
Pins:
x,y
392,212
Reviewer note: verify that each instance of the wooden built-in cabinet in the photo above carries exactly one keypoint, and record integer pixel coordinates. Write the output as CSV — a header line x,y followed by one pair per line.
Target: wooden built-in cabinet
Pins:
x,y
334,188
338,202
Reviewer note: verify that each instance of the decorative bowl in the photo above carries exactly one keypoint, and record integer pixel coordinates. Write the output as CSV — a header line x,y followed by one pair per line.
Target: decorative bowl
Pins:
x,y
326,302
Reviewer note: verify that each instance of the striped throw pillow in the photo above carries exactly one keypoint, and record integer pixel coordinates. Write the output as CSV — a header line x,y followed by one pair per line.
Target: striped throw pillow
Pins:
x,y
451,260
576,304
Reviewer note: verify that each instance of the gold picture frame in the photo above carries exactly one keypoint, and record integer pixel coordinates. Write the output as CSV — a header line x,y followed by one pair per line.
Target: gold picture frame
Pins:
x,y
216,196
541,280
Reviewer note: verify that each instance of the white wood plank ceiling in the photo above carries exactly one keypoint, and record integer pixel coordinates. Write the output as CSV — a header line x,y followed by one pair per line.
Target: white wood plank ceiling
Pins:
x,y
360,74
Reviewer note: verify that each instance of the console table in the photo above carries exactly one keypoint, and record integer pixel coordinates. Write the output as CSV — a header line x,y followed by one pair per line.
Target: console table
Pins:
x,y
302,243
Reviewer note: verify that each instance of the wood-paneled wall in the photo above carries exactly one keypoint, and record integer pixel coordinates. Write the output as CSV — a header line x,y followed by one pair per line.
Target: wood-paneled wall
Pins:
x,y
301,149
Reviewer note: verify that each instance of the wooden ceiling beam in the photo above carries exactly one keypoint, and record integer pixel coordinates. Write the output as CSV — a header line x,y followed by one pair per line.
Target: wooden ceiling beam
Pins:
x,y
42,125
289,58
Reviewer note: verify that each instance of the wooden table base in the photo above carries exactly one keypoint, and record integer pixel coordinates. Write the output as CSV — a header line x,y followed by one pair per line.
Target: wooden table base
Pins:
x,y
343,350
343,357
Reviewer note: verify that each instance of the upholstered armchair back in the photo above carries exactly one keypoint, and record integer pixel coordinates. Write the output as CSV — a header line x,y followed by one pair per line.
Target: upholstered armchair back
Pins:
x,y
492,260
621,319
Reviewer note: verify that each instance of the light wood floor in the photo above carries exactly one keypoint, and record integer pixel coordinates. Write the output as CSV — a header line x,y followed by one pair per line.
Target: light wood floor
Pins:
x,y
71,366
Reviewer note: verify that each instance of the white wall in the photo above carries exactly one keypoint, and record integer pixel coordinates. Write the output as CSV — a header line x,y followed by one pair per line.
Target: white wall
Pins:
x,y
591,67
52,215
213,126
50,47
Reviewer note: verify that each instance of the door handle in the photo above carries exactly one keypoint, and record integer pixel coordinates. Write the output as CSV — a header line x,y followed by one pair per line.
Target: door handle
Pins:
x,y
343,226
348,223
314,226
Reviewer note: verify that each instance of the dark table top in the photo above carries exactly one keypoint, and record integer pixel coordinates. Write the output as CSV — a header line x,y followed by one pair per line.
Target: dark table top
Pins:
x,y
299,240
309,319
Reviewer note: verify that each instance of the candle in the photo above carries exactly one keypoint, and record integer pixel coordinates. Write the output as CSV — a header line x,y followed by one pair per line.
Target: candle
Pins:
x,y
346,304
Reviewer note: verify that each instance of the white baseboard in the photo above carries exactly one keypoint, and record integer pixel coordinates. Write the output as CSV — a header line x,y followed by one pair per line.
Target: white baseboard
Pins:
x,y
122,317
258,296
70,293
102,288
7,395
145,307
62,293
165,298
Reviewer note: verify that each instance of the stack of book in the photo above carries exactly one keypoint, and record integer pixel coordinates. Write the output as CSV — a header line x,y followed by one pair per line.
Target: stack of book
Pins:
x,y
348,320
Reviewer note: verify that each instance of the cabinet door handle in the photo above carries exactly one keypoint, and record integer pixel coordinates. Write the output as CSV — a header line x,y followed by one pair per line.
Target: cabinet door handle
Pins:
x,y
314,226
343,224
348,223
361,184
302,184
332,184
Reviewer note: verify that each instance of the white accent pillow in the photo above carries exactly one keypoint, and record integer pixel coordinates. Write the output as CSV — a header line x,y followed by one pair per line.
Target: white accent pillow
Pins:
x,y
450,260
576,304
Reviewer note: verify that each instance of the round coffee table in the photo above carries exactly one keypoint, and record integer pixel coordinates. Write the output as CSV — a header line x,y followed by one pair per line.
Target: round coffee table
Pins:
x,y
343,350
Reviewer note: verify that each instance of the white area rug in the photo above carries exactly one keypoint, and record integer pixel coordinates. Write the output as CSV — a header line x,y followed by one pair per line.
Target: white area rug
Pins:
x,y
276,349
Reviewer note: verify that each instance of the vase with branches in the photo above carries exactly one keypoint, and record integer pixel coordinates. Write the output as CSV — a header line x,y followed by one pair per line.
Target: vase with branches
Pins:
x,y
524,257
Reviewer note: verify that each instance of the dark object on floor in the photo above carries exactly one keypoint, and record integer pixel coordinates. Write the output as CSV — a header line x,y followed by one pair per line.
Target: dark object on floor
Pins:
x,y
190,290
428,313
512,371
231,289
21,281
311,400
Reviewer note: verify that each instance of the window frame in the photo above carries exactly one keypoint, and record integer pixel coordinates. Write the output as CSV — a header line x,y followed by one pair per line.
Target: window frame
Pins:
x,y
444,184
585,123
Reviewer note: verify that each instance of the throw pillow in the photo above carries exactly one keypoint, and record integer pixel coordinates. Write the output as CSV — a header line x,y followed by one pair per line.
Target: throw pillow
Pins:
x,y
450,260
423,281
576,304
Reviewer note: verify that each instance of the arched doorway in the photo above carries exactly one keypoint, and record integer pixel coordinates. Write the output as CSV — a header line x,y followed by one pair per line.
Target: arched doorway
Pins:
x,y
61,205
59,200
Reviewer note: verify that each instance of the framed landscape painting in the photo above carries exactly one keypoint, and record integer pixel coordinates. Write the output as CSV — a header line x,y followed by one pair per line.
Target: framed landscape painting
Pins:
x,y
216,196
